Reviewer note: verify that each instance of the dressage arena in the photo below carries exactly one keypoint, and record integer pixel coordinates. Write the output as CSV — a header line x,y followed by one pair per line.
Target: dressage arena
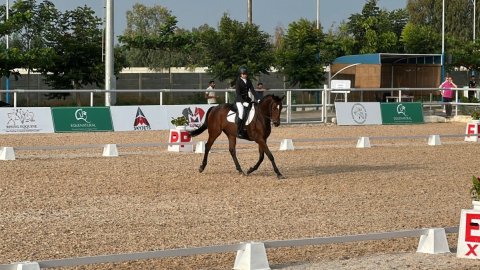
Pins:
x,y
63,203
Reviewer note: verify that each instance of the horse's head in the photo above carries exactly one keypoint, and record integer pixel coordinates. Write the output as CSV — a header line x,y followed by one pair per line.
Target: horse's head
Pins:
x,y
274,107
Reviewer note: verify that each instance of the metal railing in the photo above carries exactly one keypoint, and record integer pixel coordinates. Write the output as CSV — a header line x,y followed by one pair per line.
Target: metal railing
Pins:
x,y
323,103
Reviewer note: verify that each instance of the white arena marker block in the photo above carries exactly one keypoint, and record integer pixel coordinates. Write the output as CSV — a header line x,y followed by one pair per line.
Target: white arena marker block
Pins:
x,y
434,140
253,257
200,147
26,266
7,153
434,242
110,150
363,142
286,144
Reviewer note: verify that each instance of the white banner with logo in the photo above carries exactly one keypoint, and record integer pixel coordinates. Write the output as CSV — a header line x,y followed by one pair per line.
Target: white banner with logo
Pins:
x,y
131,118
26,120
358,113
194,113
155,117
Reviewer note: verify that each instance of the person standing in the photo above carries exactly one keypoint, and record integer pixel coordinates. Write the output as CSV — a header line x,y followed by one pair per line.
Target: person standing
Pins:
x,y
243,87
210,95
260,90
447,94
472,84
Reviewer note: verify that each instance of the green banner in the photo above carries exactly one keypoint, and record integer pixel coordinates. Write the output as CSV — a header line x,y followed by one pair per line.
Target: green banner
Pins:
x,y
82,119
401,113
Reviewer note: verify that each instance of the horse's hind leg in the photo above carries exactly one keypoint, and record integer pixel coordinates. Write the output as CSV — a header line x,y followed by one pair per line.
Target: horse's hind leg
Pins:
x,y
260,160
232,142
208,146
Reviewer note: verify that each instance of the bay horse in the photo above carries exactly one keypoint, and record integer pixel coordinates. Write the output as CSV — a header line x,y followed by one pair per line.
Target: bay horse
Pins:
x,y
266,112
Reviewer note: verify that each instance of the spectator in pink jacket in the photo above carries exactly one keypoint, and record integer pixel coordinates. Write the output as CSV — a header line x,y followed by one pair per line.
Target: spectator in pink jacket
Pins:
x,y
447,93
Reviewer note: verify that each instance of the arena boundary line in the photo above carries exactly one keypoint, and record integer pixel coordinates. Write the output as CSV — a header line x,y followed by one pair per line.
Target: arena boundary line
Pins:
x,y
291,141
242,261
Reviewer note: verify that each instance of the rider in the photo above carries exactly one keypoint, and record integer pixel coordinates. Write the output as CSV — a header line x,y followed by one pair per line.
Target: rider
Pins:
x,y
242,88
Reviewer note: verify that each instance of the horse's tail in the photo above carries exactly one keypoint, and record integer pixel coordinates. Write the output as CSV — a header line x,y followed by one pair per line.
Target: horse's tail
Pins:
x,y
203,127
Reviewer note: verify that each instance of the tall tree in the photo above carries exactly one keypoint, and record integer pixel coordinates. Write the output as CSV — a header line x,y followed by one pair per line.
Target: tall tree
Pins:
x,y
153,39
77,60
299,55
458,16
376,30
236,44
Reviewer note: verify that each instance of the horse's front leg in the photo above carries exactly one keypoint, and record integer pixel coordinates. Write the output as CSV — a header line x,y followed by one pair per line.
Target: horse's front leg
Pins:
x,y
264,147
232,142
260,160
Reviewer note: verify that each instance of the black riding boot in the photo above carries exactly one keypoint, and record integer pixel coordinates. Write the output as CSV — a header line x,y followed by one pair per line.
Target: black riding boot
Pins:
x,y
241,132
240,127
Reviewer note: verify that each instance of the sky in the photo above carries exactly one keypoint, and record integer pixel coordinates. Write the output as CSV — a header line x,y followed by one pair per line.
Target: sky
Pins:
x,y
268,14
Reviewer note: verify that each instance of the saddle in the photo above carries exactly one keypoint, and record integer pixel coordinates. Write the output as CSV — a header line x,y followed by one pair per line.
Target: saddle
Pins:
x,y
232,115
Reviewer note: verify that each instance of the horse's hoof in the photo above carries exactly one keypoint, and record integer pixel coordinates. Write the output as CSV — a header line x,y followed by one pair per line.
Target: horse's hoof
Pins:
x,y
250,171
242,173
200,169
280,177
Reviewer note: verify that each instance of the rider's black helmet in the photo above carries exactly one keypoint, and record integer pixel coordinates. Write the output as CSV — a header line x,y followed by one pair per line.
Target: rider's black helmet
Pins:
x,y
243,70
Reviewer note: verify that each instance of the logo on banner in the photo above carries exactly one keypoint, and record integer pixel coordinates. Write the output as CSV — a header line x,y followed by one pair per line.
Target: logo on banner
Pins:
x,y
81,115
141,122
20,120
359,113
195,117
402,113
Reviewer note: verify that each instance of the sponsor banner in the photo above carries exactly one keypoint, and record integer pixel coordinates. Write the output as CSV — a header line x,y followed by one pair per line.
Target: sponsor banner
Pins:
x,y
139,118
194,113
26,120
155,117
82,119
402,113
468,245
358,113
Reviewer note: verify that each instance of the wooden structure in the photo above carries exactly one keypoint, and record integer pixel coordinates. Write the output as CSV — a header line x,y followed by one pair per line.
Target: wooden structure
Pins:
x,y
386,70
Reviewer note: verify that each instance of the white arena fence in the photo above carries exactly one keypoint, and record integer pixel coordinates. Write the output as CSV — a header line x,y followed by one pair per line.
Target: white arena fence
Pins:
x,y
8,152
251,255
324,98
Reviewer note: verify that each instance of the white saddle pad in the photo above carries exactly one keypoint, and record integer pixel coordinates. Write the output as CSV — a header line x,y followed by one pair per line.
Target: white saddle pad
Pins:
x,y
231,116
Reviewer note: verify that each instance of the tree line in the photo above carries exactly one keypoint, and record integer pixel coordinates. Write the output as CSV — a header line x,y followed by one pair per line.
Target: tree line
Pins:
x,y
66,47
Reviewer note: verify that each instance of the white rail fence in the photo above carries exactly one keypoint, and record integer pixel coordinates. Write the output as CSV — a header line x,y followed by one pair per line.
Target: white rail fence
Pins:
x,y
251,255
324,102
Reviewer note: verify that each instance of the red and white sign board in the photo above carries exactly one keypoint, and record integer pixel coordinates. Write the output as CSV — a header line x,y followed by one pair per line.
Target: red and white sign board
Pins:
x,y
472,128
179,136
469,234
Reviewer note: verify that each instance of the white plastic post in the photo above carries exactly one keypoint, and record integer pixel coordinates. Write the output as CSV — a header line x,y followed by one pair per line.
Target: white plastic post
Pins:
x,y
200,147
363,142
434,140
7,153
434,242
286,144
110,150
26,266
253,257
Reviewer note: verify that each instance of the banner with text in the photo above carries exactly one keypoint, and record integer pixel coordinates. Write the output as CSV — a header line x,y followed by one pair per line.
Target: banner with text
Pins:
x,y
26,120
358,113
402,113
138,118
82,119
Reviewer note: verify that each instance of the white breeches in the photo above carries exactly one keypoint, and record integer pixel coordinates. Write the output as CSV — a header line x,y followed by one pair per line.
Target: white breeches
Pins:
x,y
241,107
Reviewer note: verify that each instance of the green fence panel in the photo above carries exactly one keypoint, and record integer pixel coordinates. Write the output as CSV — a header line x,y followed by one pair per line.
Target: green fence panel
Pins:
x,y
82,119
401,113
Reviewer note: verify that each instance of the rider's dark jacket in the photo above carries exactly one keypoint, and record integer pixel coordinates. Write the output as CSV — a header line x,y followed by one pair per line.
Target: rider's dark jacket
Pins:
x,y
241,90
